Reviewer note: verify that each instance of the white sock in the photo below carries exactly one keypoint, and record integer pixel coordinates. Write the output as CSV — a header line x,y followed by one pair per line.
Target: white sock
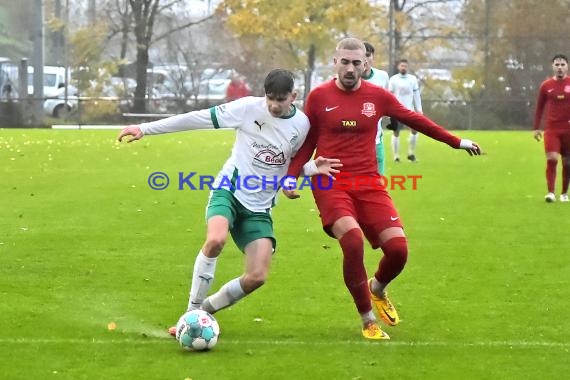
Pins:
x,y
413,143
228,294
367,317
396,146
202,279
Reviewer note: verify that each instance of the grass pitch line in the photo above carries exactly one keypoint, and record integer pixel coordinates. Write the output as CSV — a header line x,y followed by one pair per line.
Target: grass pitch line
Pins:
x,y
170,340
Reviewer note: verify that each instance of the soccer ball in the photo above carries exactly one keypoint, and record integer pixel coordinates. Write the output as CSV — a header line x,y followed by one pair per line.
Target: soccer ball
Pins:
x,y
197,330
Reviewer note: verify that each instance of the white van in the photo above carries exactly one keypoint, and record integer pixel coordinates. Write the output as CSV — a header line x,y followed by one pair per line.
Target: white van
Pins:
x,y
54,79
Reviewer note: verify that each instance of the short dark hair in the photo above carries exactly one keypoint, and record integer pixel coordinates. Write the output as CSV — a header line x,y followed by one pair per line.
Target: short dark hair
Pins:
x,y
403,60
560,56
279,82
369,47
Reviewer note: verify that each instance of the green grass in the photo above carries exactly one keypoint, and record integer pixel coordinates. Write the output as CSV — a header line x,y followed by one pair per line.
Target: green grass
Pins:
x,y
84,241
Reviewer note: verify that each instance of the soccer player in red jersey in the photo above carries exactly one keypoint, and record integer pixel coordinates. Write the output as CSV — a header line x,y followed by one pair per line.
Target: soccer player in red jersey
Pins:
x,y
554,97
344,114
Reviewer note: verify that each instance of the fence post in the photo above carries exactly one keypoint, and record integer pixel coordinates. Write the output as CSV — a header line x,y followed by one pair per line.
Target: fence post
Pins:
x,y
23,90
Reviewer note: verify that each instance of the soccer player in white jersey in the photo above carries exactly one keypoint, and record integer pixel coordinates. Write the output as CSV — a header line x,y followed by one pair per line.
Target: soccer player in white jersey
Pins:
x,y
379,78
407,90
270,130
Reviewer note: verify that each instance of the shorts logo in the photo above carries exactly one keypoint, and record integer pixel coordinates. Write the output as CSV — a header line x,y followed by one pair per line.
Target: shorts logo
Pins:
x,y
368,109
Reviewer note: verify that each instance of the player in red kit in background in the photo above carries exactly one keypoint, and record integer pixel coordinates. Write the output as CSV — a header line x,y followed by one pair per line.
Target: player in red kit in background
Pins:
x,y
344,114
554,97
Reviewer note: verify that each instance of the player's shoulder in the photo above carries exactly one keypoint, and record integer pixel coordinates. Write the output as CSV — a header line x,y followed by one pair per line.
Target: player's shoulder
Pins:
x,y
322,91
245,102
299,121
324,87
369,89
547,82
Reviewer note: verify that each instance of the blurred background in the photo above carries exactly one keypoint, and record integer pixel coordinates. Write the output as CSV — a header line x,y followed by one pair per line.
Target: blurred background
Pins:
x,y
480,62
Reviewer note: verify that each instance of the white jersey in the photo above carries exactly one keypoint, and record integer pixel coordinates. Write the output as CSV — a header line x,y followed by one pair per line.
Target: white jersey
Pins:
x,y
407,91
379,78
262,150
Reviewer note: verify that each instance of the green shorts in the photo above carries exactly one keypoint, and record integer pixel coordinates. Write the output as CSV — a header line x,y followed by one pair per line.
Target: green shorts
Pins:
x,y
245,225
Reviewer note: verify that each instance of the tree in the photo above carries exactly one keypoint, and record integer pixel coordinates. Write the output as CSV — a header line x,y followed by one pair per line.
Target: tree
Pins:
x,y
417,27
299,31
145,14
513,45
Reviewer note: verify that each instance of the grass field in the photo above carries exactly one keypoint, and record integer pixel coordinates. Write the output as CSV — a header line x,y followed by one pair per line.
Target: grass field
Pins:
x,y
84,242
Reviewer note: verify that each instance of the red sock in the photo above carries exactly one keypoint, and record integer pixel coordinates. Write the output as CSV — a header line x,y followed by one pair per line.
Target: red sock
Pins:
x,y
355,278
551,174
565,179
394,259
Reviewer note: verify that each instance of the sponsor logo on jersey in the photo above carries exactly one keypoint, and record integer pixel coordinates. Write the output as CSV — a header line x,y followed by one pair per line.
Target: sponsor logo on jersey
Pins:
x,y
270,157
348,123
368,109
560,97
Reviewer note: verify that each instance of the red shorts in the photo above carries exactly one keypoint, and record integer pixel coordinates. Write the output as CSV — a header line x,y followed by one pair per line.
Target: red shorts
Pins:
x,y
557,141
372,208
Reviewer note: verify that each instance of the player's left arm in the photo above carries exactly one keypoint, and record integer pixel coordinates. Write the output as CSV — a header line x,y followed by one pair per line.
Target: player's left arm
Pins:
x,y
427,127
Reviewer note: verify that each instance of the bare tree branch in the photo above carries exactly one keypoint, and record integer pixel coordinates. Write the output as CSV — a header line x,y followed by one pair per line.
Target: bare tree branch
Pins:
x,y
179,28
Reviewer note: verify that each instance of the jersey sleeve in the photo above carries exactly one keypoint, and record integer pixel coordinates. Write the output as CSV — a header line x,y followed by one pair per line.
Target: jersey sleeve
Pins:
x,y
305,152
303,132
540,105
385,79
417,96
392,84
227,115
230,115
418,121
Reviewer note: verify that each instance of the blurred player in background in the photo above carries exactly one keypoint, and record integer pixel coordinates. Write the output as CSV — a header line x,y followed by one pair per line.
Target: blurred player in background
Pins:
x,y
407,90
554,100
379,78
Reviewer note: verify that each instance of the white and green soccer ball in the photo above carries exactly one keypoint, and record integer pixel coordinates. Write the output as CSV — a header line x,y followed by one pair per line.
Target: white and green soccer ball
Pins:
x,y
197,330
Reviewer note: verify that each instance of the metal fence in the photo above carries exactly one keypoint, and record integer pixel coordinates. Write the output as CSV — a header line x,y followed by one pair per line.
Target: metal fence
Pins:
x,y
487,114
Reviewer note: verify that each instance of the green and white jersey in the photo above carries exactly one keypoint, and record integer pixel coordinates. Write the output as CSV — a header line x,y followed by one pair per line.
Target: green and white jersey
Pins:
x,y
262,150
379,78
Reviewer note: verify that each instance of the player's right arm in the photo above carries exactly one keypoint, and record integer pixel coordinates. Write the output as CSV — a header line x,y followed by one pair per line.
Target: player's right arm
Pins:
x,y
227,115
540,105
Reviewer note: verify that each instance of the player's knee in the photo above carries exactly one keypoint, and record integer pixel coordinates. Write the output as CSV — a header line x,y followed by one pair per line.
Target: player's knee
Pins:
x,y
352,241
214,245
396,248
254,280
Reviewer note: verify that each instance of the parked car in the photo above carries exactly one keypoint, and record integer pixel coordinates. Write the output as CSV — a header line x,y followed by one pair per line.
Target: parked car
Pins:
x,y
54,79
57,106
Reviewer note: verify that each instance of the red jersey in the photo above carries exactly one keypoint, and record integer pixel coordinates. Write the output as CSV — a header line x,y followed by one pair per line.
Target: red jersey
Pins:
x,y
555,94
344,126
